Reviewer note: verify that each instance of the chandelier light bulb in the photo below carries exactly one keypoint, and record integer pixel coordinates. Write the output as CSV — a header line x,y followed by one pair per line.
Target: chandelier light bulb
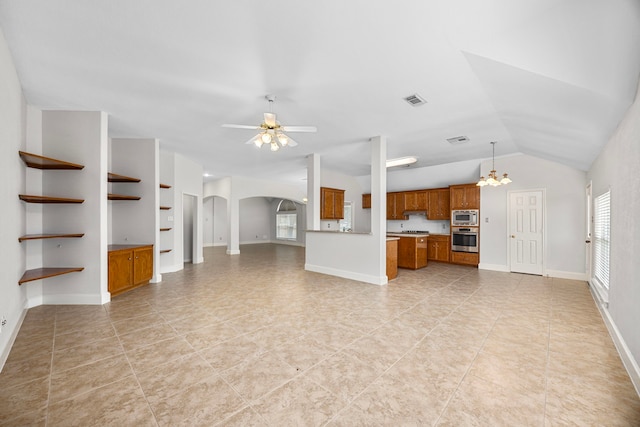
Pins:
x,y
492,179
274,146
258,142
282,138
266,138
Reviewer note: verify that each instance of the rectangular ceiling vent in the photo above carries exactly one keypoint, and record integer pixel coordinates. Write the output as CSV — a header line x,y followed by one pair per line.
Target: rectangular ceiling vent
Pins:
x,y
415,100
458,140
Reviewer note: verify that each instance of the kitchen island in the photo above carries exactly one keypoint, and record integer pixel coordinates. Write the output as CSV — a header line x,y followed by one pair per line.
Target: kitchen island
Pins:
x,y
412,249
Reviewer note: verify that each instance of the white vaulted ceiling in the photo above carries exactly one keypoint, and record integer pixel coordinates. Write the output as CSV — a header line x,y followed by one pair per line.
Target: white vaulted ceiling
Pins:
x,y
547,78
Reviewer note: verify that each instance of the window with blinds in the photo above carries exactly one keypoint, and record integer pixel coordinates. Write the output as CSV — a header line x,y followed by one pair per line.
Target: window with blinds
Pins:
x,y
286,220
601,238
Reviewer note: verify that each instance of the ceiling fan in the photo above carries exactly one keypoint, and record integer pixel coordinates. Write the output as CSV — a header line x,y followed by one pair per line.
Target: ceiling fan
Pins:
x,y
271,132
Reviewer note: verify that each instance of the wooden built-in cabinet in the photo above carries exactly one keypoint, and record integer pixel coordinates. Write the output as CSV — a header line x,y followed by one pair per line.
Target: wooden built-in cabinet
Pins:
x,y
395,206
412,252
331,203
439,207
416,200
467,258
130,266
465,196
366,201
47,163
392,258
438,248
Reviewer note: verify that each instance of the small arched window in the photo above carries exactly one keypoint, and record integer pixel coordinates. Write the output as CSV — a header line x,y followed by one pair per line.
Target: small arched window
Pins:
x,y
286,220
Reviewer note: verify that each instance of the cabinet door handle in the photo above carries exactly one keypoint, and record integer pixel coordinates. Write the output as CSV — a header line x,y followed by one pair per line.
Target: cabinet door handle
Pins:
x,y
137,257
129,259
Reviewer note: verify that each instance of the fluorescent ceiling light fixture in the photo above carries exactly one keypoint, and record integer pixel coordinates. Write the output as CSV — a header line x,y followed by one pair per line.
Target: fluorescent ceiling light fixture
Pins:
x,y
402,161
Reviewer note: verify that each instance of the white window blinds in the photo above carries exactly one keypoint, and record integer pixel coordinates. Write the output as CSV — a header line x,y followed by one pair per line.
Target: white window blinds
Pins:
x,y
601,235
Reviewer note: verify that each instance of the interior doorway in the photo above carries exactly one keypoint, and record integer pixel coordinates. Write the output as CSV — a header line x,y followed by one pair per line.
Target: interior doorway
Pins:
x,y
526,239
188,227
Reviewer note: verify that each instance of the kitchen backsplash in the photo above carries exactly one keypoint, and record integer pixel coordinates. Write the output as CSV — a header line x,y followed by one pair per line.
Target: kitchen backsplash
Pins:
x,y
419,222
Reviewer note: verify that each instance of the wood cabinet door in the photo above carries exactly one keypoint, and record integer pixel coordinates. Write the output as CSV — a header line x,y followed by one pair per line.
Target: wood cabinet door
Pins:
x,y
338,204
391,205
472,196
410,201
399,206
457,195
439,204
120,271
422,200
326,203
366,201
142,265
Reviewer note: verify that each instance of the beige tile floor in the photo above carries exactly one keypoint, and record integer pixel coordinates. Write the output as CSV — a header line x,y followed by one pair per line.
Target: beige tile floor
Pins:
x,y
255,340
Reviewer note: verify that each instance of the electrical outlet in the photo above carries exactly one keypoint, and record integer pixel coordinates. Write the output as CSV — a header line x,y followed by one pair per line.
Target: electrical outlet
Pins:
x,y
3,323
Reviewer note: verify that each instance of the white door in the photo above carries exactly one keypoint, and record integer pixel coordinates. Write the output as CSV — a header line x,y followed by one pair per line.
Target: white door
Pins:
x,y
525,230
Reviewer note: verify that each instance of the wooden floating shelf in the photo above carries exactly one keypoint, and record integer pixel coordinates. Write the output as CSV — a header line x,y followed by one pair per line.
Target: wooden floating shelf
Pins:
x,y
165,229
46,199
46,272
165,208
48,236
164,186
41,162
114,177
164,251
112,196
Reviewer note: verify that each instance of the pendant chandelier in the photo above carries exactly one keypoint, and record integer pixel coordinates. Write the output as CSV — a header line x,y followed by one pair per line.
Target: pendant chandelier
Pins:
x,y
493,177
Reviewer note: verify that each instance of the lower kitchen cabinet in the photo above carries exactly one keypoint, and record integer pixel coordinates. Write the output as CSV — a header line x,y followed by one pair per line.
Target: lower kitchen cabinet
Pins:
x,y
467,258
438,248
412,252
392,258
130,266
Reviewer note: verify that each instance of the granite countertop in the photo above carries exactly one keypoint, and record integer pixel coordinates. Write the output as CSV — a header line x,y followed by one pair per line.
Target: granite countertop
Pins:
x,y
407,235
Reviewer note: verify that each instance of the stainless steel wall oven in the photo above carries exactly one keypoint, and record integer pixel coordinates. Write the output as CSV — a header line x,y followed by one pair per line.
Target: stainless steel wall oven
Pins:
x,y
464,239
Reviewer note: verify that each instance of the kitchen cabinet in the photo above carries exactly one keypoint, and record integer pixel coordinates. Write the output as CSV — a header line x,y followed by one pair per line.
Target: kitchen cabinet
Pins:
x,y
438,248
392,257
331,203
130,266
412,252
439,206
395,206
467,258
416,200
465,196
366,201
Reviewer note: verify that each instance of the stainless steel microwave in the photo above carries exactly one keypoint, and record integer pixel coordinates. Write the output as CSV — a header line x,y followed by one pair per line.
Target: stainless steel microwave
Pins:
x,y
468,217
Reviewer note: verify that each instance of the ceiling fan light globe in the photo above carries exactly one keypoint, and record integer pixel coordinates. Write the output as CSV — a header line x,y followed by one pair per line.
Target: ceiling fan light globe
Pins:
x,y
274,146
282,139
266,138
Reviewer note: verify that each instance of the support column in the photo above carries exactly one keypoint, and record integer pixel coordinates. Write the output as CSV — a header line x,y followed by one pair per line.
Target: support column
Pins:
x,y
313,192
233,226
379,199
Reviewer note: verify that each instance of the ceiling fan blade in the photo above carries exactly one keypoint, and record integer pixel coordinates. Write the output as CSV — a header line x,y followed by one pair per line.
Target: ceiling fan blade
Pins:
x,y
299,128
291,142
240,126
252,140
270,119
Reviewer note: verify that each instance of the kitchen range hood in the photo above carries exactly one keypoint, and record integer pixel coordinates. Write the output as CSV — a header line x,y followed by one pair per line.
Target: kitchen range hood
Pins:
x,y
415,212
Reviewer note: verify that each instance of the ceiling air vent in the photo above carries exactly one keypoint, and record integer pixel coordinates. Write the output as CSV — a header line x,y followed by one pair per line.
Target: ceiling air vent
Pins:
x,y
415,100
458,140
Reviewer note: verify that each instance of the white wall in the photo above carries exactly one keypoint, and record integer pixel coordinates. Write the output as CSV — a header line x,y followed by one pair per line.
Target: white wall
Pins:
x,y
208,224
616,168
255,220
564,207
188,211
77,137
12,226
188,180
136,222
219,221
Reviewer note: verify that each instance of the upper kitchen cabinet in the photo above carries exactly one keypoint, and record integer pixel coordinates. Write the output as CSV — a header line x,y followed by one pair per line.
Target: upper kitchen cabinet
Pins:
x,y
395,206
439,206
465,196
331,203
366,201
416,200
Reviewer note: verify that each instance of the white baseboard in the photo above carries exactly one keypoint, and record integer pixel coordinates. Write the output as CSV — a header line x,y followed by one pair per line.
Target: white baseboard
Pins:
x,y
374,280
287,242
570,275
12,338
171,268
493,267
630,364
233,252
208,245
156,279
